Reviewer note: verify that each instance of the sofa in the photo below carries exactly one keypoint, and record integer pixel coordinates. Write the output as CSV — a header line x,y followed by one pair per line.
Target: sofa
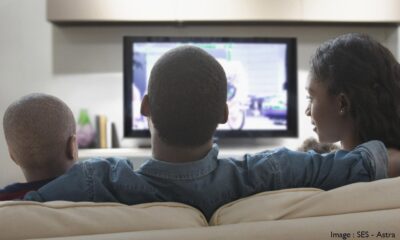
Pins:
x,y
356,211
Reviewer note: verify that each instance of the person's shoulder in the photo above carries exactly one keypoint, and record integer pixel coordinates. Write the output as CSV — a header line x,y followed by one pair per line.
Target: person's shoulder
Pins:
x,y
8,188
376,154
8,192
373,145
372,150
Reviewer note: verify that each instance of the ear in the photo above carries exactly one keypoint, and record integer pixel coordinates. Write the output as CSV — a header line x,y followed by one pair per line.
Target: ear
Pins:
x,y
226,114
343,103
145,106
72,148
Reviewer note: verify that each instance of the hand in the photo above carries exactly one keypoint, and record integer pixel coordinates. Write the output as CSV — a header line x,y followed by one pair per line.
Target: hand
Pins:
x,y
394,162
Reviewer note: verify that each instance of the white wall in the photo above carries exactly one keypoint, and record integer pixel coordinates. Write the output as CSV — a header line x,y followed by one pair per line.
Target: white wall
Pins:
x,y
83,64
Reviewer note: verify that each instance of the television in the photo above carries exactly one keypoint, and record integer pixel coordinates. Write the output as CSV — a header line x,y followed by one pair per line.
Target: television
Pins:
x,y
262,82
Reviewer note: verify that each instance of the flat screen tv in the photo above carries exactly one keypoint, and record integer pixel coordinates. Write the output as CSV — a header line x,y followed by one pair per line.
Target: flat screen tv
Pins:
x,y
262,82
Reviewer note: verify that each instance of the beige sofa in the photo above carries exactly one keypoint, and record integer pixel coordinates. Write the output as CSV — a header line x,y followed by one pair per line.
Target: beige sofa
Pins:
x,y
357,211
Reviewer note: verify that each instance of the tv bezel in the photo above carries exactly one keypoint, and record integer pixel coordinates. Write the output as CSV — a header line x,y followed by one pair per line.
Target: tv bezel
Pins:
x,y
291,73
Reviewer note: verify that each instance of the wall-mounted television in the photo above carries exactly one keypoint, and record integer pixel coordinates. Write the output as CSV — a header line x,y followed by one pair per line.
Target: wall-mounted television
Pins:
x,y
262,82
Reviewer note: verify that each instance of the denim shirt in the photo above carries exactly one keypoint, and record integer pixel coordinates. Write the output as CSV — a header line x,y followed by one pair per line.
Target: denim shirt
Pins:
x,y
210,182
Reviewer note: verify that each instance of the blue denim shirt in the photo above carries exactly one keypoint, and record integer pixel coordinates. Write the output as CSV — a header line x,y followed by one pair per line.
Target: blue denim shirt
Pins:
x,y
211,182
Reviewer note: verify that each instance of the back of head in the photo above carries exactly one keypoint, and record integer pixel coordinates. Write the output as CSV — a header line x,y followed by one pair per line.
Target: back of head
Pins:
x,y
369,75
187,96
37,128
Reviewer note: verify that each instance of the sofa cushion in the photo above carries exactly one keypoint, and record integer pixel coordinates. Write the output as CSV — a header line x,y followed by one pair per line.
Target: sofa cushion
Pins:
x,y
20,219
300,203
262,206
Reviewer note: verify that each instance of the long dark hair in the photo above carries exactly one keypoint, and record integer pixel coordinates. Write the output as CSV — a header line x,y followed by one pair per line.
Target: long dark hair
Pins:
x,y
368,73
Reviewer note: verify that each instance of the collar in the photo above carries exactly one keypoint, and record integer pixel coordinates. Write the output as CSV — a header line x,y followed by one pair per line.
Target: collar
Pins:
x,y
181,171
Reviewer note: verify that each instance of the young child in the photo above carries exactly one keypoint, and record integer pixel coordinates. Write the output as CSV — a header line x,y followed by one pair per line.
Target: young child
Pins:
x,y
354,94
40,134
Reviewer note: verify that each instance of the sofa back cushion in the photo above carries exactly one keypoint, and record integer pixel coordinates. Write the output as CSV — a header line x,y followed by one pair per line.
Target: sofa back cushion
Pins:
x,y
262,206
307,202
21,220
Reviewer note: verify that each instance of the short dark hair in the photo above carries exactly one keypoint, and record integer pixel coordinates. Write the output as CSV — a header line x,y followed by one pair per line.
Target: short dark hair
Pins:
x,y
369,75
37,127
187,96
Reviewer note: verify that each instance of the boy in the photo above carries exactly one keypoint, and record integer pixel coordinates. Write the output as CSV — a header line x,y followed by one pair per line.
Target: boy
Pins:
x,y
186,101
40,134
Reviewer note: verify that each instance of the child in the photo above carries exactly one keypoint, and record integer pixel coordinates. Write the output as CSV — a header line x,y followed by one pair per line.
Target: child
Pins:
x,y
40,134
354,94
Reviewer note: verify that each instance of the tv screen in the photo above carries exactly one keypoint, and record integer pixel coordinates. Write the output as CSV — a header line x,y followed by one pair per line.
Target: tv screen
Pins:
x,y
262,82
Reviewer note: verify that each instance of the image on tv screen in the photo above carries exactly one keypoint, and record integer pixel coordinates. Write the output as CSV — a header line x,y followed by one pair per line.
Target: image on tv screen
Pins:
x,y
257,83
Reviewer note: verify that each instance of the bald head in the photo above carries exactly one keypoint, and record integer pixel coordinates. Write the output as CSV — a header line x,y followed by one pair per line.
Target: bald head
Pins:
x,y
187,96
37,128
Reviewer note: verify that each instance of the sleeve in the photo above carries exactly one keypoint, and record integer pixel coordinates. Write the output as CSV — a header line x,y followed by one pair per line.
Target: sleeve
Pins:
x,y
283,168
73,186
86,181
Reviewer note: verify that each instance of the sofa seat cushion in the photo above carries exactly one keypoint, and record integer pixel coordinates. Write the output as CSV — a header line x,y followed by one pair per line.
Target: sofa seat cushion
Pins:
x,y
23,219
308,202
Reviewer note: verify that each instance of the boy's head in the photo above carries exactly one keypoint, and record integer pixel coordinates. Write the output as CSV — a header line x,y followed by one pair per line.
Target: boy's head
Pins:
x,y
186,97
40,134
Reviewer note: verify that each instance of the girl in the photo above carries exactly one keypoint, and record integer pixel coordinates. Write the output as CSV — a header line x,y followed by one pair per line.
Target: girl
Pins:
x,y
354,93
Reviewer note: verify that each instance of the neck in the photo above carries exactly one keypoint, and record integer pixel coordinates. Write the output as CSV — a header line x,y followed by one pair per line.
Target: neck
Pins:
x,y
165,152
350,141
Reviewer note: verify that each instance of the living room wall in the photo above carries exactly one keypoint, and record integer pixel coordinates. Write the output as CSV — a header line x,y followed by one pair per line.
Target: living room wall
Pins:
x,y
82,64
